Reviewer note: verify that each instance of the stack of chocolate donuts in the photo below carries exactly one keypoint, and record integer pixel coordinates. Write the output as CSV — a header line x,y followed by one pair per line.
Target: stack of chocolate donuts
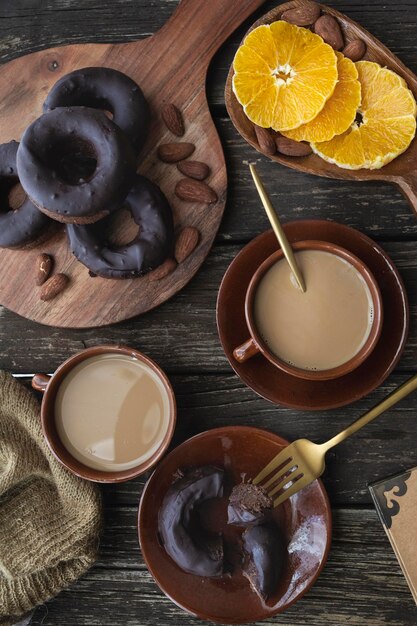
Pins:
x,y
78,166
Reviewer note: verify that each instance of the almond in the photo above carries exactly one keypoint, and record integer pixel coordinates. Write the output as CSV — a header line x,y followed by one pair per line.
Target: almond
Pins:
x,y
163,270
302,16
53,287
355,50
265,140
194,169
329,29
195,191
174,152
186,243
43,266
291,147
172,117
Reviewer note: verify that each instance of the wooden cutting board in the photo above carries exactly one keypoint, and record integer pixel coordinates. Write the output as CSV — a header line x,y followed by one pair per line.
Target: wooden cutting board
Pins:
x,y
170,66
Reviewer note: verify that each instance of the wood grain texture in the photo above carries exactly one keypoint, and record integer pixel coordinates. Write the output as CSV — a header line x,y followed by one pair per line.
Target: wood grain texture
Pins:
x,y
181,335
400,171
361,583
195,35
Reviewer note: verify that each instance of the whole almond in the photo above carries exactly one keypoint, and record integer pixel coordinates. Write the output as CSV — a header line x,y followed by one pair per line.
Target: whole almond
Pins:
x,y
53,287
163,270
43,266
173,119
174,152
329,29
194,169
302,16
195,191
293,148
355,50
265,140
186,243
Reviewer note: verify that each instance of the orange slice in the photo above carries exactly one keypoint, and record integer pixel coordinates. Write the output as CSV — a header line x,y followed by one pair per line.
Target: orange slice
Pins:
x,y
388,125
339,112
284,75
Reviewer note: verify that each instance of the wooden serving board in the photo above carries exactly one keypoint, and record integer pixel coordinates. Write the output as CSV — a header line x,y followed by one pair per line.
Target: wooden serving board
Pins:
x,y
170,66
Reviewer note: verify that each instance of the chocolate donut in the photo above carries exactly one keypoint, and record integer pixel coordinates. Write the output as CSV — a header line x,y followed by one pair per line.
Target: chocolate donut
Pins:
x,y
23,226
108,89
152,245
264,559
49,147
249,504
191,548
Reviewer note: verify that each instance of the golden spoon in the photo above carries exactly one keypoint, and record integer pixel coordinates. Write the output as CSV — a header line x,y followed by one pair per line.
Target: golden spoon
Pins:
x,y
278,230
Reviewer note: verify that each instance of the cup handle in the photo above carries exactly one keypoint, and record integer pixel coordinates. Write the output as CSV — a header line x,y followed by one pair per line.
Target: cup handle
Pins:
x,y
246,351
40,382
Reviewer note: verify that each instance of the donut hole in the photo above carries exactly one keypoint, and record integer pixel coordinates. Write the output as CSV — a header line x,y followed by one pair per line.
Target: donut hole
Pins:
x,y
12,195
16,196
122,230
74,160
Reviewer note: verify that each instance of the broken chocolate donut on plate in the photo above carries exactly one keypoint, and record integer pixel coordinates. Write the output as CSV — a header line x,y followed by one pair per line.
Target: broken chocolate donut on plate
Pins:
x,y
194,550
266,564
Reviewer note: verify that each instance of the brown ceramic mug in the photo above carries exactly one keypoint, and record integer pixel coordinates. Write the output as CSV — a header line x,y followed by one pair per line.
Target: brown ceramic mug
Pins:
x,y
256,345
49,385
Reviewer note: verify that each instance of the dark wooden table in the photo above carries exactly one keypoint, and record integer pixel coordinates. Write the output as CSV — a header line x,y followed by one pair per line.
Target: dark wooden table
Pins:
x,y
362,582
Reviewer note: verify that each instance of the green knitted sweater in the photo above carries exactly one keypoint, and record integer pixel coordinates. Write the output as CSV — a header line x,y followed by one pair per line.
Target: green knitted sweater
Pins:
x,y
49,519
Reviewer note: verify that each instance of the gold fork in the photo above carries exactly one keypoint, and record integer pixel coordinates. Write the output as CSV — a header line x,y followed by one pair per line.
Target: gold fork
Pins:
x,y
298,464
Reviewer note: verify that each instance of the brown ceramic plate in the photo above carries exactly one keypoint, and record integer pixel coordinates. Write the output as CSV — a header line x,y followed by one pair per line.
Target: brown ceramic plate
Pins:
x,y
280,387
304,520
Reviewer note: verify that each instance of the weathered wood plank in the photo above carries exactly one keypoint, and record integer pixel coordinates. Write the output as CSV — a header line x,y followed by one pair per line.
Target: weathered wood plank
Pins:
x,y
360,576
206,402
181,334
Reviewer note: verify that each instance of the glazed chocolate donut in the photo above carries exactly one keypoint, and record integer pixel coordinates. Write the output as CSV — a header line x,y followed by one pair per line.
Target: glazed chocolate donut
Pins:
x,y
108,89
51,139
192,549
152,245
26,225
264,559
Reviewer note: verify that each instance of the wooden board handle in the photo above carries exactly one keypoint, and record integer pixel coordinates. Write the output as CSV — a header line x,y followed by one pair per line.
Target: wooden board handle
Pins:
x,y
408,185
203,27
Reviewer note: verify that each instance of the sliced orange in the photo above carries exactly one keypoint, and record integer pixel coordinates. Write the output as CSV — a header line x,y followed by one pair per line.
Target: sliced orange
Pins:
x,y
387,127
284,75
339,112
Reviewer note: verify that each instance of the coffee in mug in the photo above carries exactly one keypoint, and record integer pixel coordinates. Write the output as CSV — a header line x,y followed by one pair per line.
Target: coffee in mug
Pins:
x,y
112,412
322,328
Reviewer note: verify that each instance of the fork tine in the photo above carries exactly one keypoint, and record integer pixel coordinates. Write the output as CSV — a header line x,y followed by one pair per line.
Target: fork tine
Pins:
x,y
282,470
302,482
283,457
288,477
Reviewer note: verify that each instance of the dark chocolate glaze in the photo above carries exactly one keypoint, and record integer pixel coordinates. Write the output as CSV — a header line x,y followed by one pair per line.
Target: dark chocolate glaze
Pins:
x,y
151,247
264,558
109,183
192,549
108,89
26,224
248,505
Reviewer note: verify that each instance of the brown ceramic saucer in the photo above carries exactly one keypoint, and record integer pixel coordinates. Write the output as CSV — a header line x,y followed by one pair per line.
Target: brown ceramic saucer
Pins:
x,y
282,388
304,521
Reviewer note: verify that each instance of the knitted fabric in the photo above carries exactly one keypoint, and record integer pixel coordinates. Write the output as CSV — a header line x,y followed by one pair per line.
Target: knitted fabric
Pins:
x,y
49,519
